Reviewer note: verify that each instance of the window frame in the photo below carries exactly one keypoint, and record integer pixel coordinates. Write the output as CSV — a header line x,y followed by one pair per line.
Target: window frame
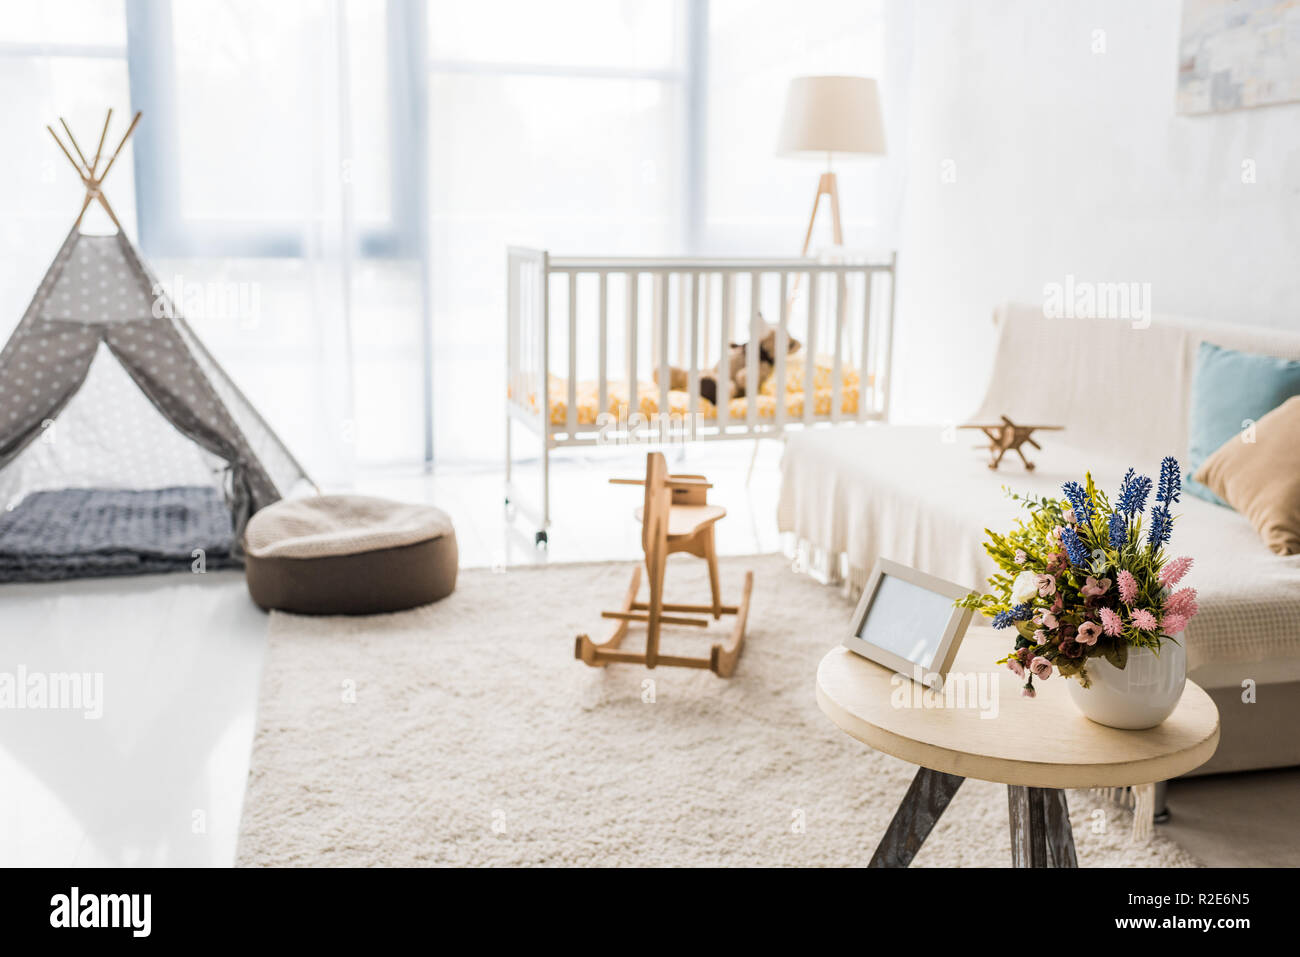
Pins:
x,y
164,233
691,76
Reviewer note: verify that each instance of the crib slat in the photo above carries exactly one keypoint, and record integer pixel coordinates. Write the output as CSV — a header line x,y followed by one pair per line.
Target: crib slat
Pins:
x,y
751,352
782,347
724,328
706,290
661,281
886,346
810,351
693,382
572,417
679,359
633,397
531,332
512,336
602,377
542,290
837,364
865,386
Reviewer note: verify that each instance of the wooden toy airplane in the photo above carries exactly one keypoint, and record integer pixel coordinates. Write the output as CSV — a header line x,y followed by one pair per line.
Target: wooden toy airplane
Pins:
x,y
1006,436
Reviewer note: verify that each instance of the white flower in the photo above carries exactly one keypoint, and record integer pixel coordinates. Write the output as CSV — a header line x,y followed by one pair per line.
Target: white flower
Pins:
x,y
1024,587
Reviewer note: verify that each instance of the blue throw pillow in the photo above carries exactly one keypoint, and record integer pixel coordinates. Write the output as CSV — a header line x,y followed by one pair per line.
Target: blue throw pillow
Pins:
x,y
1229,388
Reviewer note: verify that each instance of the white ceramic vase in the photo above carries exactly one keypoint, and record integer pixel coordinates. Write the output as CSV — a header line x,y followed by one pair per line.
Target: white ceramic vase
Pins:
x,y
1141,694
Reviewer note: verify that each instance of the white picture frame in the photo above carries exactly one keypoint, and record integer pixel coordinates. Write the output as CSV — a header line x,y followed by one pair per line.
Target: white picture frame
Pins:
x,y
917,624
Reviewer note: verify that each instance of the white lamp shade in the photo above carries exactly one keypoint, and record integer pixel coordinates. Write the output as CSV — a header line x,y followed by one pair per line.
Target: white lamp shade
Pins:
x,y
832,114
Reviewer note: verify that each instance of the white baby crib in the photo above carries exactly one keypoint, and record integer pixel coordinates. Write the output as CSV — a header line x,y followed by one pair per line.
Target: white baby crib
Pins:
x,y
582,332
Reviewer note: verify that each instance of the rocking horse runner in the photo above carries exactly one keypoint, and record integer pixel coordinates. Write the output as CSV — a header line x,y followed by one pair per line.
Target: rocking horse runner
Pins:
x,y
676,517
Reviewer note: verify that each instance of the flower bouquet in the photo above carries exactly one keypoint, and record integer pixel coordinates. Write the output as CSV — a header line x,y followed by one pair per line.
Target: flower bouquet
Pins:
x,y
1080,580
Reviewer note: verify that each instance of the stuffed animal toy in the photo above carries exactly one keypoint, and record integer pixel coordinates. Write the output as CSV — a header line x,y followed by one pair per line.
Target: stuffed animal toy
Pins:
x,y
736,367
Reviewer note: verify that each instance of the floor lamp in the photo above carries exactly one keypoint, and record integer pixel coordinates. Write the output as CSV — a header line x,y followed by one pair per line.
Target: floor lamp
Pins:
x,y
825,115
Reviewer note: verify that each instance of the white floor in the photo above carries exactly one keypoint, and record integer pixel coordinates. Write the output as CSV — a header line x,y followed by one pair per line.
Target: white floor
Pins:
x,y
159,778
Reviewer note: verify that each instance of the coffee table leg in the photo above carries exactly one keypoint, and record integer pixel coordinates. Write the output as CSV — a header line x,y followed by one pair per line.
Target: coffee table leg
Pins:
x,y
922,806
1040,828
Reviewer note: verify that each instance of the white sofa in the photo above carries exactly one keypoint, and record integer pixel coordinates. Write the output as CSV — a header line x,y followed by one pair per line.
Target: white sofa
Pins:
x,y
924,495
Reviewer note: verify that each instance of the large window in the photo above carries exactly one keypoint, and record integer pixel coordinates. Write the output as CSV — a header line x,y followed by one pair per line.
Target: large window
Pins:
x,y
362,165
562,125
56,59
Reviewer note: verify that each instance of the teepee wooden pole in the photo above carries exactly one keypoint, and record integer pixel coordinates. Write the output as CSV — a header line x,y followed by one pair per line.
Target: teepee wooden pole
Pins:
x,y
73,140
103,201
126,136
99,150
89,173
84,206
80,173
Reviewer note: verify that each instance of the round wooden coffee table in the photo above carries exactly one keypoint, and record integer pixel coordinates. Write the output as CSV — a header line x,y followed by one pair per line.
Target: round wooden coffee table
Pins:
x,y
983,728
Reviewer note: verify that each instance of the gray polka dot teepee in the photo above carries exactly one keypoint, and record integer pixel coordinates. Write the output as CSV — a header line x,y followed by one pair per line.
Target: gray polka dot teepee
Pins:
x,y
99,304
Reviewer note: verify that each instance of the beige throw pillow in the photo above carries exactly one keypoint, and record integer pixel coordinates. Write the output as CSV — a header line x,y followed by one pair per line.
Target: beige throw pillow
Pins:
x,y
1261,479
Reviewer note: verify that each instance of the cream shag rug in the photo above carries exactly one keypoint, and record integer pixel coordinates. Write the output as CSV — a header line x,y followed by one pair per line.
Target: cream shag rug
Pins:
x,y
465,733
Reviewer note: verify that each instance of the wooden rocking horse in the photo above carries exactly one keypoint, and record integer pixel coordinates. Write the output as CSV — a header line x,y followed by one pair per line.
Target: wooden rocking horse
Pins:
x,y
676,517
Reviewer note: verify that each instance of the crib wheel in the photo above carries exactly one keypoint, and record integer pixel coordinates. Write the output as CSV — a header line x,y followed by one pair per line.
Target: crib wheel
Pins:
x,y
540,539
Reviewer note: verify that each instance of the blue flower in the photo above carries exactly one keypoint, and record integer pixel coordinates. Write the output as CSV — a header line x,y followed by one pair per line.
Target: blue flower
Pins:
x,y
1074,548
1171,481
1162,526
1133,492
1118,530
1005,619
1079,501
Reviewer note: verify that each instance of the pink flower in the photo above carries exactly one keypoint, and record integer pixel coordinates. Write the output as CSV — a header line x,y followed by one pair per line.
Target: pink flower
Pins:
x,y
1068,515
1143,620
1021,557
1040,637
1128,587
1173,624
1088,634
1041,667
1093,588
1182,602
1112,623
1028,691
1058,604
1016,667
1173,573
1046,586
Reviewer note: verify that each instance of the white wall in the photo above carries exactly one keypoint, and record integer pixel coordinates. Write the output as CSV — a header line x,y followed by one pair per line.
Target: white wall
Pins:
x,y
1074,162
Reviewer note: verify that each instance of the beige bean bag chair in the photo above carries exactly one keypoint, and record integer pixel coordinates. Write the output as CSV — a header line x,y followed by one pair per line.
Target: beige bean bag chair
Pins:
x,y
348,555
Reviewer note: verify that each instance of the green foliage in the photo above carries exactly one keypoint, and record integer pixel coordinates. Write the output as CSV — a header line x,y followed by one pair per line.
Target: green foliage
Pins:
x,y
1117,654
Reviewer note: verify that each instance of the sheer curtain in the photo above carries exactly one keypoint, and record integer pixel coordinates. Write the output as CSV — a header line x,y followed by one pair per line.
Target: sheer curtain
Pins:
x,y
56,59
264,186
327,187
559,125
270,171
